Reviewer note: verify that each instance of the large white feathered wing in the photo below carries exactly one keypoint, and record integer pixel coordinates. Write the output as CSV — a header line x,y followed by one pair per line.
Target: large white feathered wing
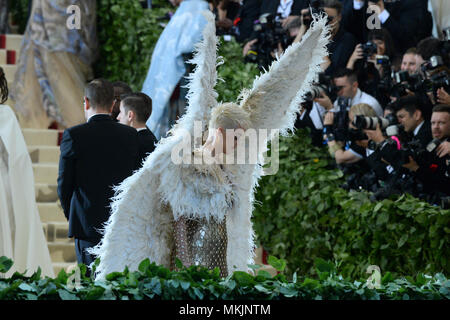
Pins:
x,y
201,95
276,95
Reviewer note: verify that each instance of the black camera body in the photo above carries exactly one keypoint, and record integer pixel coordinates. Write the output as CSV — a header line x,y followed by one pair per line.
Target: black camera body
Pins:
x,y
270,35
369,49
325,85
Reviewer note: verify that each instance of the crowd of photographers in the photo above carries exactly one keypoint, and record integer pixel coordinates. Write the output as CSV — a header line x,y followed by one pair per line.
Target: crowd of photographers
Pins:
x,y
382,104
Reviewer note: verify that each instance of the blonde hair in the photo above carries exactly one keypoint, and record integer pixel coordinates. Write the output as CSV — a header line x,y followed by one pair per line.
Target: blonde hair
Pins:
x,y
363,109
229,116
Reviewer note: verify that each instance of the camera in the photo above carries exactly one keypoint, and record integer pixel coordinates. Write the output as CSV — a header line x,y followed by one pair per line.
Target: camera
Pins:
x,y
369,49
270,35
370,123
325,85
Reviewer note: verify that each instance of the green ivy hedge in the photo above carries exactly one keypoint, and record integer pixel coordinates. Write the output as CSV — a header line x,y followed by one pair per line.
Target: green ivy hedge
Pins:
x,y
197,283
304,214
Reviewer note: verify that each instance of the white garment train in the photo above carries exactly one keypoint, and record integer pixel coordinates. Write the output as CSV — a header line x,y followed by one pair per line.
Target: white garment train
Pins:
x,y
21,234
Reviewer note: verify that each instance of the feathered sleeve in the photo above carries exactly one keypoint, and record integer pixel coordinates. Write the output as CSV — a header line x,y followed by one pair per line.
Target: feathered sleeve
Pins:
x,y
276,95
201,95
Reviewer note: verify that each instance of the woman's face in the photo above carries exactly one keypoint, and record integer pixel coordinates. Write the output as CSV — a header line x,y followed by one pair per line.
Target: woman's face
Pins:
x,y
381,47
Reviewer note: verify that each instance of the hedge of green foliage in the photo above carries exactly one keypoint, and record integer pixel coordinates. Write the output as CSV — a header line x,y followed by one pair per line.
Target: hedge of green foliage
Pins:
x,y
19,12
304,214
128,34
197,283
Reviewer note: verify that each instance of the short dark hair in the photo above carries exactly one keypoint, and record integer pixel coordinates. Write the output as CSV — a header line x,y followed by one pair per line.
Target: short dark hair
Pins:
x,y
428,47
344,72
120,88
334,4
140,104
410,104
100,93
412,50
441,108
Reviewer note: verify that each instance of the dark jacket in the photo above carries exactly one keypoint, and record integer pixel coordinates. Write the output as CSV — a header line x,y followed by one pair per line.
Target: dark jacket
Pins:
x,y
409,21
95,156
251,10
147,141
424,135
340,50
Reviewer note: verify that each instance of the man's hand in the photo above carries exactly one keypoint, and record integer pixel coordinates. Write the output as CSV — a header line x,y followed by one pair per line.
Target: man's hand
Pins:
x,y
324,101
443,149
379,3
442,96
375,135
286,21
411,165
248,45
356,55
329,119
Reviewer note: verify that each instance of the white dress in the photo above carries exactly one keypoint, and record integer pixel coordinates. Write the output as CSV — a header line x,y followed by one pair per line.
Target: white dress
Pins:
x,y
21,234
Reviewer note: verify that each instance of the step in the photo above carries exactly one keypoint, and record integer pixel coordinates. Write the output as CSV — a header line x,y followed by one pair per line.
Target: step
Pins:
x,y
10,71
14,42
45,173
41,137
57,232
67,266
46,192
51,212
3,57
44,154
62,252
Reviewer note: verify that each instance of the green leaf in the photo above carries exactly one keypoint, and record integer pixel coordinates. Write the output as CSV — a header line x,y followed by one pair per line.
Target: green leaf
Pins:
x,y
65,295
278,264
5,264
243,278
144,265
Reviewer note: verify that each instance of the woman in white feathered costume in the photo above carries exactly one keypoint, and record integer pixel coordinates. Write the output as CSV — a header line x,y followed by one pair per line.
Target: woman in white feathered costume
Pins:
x,y
201,213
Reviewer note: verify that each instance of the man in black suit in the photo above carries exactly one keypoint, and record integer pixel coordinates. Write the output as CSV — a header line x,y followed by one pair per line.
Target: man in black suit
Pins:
x,y
95,156
135,109
412,118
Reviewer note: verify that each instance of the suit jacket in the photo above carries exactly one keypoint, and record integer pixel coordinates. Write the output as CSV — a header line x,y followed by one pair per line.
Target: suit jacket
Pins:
x,y
95,156
408,23
424,135
147,141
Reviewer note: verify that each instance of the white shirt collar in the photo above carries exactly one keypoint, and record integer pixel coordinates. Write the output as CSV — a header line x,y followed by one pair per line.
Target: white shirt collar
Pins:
x,y
416,130
140,129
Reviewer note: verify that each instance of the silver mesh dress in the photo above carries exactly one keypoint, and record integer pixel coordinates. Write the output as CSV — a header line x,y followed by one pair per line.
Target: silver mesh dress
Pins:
x,y
202,243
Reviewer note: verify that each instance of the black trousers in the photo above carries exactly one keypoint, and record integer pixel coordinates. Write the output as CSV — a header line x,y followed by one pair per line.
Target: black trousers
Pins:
x,y
82,255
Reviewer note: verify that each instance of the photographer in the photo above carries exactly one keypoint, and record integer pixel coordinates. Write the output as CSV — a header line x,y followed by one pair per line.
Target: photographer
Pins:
x,y
411,117
355,148
348,87
435,173
372,62
409,61
287,9
343,42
